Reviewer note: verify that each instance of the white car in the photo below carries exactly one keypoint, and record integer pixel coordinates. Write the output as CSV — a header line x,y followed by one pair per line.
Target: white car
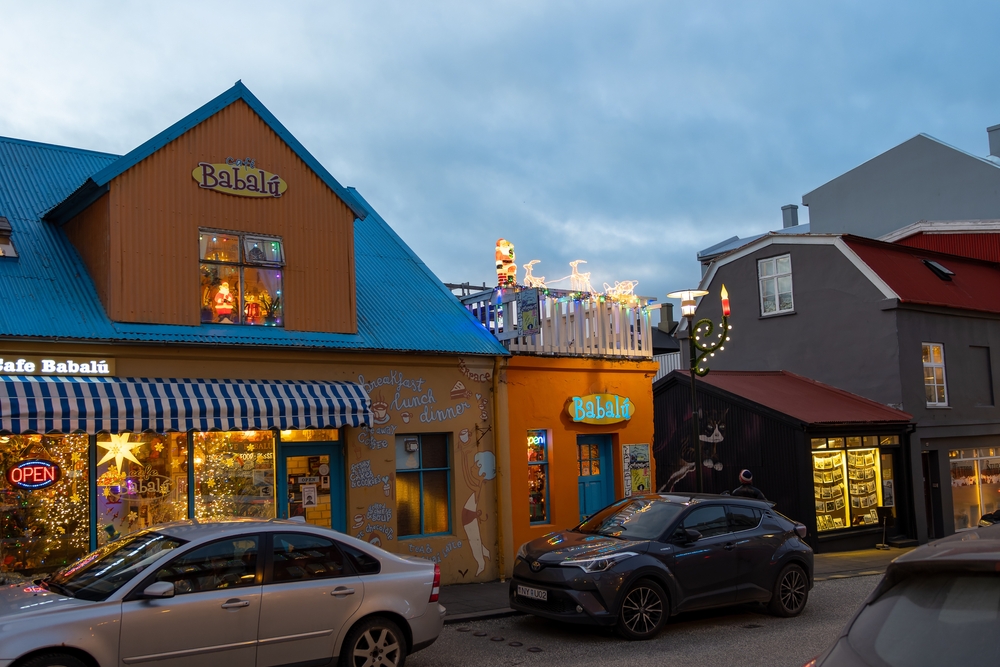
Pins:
x,y
225,594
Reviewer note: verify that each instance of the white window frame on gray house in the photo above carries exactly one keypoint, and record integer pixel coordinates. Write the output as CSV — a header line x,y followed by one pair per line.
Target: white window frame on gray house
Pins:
x,y
774,278
935,380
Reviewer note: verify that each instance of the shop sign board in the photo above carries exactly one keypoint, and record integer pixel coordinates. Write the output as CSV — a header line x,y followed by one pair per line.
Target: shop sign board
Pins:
x,y
635,467
238,177
600,409
33,474
64,366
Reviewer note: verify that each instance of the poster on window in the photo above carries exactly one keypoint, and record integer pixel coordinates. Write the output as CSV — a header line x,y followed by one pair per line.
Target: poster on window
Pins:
x,y
888,494
527,312
309,496
636,469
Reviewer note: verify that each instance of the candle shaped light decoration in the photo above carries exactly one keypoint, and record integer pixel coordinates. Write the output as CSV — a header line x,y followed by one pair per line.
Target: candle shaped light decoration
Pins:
x,y
725,301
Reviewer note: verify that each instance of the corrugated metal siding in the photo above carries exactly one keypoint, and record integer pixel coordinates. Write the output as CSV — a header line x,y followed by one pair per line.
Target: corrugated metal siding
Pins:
x,y
668,362
157,208
89,234
977,246
750,440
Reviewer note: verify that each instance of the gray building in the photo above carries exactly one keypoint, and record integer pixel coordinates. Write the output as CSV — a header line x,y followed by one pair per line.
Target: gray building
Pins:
x,y
906,327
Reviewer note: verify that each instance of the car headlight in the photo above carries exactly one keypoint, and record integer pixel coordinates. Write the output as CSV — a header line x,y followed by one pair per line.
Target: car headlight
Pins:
x,y
599,564
523,551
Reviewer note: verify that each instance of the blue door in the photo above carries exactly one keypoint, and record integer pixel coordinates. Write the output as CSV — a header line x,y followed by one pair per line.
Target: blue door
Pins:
x,y
311,484
597,488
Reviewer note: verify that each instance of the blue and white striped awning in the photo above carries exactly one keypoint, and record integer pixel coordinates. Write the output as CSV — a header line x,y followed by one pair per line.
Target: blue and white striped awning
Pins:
x,y
93,404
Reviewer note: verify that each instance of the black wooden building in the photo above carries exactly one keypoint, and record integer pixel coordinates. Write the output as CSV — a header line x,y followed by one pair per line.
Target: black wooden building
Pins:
x,y
828,458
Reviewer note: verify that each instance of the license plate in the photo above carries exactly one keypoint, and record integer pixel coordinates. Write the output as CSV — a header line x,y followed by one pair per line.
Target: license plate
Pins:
x,y
533,593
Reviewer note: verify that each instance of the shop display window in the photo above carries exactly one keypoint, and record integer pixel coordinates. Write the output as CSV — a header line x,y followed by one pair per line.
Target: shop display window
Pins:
x,y
311,435
847,482
141,481
538,476
241,278
45,523
234,474
975,484
423,484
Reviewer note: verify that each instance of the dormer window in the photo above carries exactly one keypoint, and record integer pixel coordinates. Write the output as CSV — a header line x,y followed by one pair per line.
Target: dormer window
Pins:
x,y
241,278
6,246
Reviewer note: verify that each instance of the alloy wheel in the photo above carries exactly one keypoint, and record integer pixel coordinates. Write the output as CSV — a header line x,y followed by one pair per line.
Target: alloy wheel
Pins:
x,y
642,610
792,591
377,647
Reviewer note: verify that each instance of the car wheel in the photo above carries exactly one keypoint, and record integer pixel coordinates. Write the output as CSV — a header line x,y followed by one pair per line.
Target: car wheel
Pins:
x,y
643,611
54,660
375,642
791,591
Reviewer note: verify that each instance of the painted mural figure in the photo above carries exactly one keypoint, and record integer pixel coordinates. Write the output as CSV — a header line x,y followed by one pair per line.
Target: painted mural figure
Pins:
x,y
478,468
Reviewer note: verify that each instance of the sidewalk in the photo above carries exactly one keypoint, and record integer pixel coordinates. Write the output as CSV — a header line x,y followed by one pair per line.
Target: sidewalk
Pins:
x,y
469,602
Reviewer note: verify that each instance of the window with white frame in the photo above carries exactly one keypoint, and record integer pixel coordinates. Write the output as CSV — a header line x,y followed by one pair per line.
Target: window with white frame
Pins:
x,y
775,277
934,384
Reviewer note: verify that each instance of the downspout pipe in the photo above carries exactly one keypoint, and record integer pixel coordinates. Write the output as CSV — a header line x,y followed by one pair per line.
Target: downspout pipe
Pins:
x,y
499,476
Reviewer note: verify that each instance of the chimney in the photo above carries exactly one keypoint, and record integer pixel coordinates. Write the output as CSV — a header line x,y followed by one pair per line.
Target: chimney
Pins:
x,y
667,323
994,135
790,213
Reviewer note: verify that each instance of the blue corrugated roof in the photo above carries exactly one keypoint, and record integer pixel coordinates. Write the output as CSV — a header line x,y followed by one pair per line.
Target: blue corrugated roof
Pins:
x,y
47,293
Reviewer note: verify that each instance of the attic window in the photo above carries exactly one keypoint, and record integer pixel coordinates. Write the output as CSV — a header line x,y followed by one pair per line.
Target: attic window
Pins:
x,y
940,271
6,246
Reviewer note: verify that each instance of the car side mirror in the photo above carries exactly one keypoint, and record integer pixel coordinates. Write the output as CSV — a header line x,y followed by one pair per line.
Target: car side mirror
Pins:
x,y
159,590
686,536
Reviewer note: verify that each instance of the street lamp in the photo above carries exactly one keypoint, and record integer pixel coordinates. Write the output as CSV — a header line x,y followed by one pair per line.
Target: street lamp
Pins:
x,y
701,346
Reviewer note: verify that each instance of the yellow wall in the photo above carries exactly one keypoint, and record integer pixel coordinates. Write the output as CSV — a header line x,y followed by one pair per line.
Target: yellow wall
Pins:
x,y
535,391
468,553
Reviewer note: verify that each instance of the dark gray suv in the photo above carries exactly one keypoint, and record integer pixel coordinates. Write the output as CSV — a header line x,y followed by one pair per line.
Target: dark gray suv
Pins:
x,y
648,557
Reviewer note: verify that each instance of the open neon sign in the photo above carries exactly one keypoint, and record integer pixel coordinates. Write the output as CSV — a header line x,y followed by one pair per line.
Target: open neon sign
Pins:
x,y
33,474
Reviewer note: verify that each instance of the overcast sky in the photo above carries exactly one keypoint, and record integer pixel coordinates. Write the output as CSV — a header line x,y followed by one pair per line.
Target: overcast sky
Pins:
x,y
628,134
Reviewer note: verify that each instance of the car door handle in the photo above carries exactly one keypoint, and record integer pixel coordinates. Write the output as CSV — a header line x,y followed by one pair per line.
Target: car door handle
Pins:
x,y
729,546
341,591
235,604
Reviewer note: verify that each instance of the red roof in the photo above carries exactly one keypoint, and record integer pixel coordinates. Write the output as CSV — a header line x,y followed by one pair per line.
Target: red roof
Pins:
x,y
977,246
804,399
974,285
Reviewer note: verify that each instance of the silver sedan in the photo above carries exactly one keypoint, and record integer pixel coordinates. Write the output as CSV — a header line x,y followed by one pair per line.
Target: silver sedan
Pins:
x,y
234,594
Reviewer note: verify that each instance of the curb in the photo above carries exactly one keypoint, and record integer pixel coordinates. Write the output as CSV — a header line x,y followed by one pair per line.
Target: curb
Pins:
x,y
848,575
451,619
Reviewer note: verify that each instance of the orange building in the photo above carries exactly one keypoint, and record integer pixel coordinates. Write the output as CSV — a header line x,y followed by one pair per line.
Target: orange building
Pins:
x,y
576,409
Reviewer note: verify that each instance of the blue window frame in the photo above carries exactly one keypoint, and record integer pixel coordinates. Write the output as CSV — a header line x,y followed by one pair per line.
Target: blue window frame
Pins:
x,y
423,484
538,476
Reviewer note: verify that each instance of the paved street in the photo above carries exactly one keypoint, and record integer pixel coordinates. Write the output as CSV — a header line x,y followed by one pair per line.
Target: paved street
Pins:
x,y
743,636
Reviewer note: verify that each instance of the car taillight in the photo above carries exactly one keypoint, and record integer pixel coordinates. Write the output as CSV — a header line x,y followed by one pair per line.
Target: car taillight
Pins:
x,y
436,586
812,663
801,530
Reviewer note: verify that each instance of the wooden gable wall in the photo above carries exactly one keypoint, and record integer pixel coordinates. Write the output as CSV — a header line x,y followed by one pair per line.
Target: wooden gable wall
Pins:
x,y
147,266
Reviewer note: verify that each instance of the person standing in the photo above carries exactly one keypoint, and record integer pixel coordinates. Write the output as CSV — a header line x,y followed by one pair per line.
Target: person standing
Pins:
x,y
746,489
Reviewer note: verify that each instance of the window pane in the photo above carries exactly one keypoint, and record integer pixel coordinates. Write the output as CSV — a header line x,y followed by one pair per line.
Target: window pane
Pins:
x,y
928,375
785,301
220,294
595,466
407,452
930,394
223,564
818,443
6,247
837,443
785,284
585,468
927,354
766,267
311,435
964,493
708,521
595,453
743,518
767,288
537,510
536,445
408,503
260,250
938,355
434,451
145,491
784,265
234,474
436,501
219,247
362,562
262,294
939,376
769,304
940,394
45,528
298,556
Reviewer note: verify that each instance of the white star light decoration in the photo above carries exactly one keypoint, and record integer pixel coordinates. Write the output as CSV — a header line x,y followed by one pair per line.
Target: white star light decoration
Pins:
x,y
118,449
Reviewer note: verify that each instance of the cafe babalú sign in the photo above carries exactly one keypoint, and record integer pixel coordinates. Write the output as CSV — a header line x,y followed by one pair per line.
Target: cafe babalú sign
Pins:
x,y
29,365
239,177
600,409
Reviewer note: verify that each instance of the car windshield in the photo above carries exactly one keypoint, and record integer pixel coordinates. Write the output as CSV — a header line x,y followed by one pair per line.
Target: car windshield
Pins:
x,y
637,519
937,619
98,575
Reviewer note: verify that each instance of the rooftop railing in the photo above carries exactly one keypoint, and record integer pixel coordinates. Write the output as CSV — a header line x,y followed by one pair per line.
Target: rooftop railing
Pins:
x,y
565,323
